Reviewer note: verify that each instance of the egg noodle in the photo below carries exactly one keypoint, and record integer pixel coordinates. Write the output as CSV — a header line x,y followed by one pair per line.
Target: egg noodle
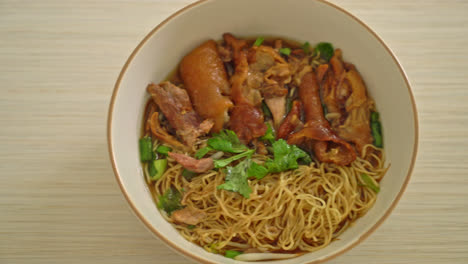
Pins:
x,y
300,210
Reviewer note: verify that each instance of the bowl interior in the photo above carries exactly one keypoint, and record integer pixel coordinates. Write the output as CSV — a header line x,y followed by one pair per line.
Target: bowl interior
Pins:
x,y
302,20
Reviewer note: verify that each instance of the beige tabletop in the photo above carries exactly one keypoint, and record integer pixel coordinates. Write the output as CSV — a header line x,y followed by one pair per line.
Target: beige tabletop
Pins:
x,y
59,201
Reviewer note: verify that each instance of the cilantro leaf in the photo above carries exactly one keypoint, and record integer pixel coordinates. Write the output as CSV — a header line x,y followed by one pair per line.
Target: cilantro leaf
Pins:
x,y
236,179
285,157
269,134
227,141
170,201
224,162
202,152
256,170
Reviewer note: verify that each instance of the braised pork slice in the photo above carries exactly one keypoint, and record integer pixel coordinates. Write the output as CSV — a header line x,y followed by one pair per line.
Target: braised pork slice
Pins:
x,y
246,119
317,133
188,215
248,122
206,81
160,133
347,102
292,122
175,104
191,164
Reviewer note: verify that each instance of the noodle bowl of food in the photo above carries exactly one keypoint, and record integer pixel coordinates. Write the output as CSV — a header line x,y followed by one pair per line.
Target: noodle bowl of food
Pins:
x,y
285,134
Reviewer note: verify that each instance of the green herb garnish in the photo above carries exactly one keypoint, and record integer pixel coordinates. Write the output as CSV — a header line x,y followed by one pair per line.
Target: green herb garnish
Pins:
x,y
269,135
285,157
232,253
191,227
289,103
376,129
189,175
157,168
227,141
256,170
370,183
236,179
325,49
170,201
266,110
325,110
146,149
306,47
259,41
202,152
374,117
285,51
224,162
163,149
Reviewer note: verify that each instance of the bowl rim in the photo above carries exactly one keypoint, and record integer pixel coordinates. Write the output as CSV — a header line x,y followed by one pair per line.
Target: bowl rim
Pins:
x,y
199,259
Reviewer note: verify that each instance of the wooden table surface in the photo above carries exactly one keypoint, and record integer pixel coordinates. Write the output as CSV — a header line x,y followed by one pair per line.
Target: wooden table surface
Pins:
x,y
59,201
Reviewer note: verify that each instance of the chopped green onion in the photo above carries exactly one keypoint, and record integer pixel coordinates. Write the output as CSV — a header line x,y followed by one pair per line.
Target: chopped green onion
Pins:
x,y
369,182
306,47
146,149
259,41
325,49
266,110
157,169
191,227
377,134
232,253
289,103
374,117
224,162
285,51
152,170
306,160
325,110
376,129
202,152
163,149
188,175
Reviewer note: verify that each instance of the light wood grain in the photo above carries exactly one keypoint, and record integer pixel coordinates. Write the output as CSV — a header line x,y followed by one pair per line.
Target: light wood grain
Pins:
x,y
59,202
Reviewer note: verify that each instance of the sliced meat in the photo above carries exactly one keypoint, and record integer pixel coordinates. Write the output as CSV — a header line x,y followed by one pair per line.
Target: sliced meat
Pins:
x,y
246,119
356,127
150,108
248,122
345,96
269,73
191,164
321,71
162,134
317,134
292,122
177,108
299,67
205,79
188,215
241,93
277,106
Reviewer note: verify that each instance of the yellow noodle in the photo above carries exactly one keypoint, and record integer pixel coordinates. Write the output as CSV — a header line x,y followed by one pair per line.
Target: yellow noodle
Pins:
x,y
300,210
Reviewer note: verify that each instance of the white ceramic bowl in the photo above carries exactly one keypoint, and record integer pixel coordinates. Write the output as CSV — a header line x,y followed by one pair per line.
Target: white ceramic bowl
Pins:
x,y
302,20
